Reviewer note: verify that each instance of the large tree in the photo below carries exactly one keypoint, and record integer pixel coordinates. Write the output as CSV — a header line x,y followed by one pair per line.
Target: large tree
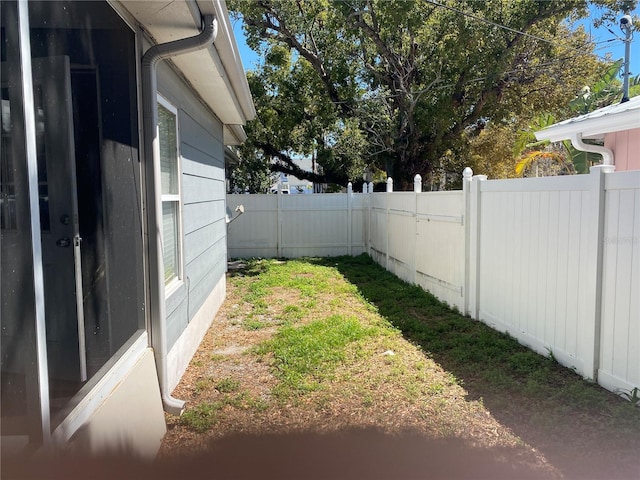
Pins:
x,y
397,84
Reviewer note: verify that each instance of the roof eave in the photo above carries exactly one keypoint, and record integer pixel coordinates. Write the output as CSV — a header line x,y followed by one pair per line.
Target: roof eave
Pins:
x,y
594,127
216,72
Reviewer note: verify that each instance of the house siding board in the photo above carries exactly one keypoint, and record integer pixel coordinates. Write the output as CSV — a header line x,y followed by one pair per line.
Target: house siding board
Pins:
x,y
198,241
177,321
199,215
203,202
625,146
200,291
198,163
174,298
201,189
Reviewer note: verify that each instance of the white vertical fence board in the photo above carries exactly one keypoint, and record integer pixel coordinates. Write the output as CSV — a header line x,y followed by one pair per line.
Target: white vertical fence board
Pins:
x,y
622,282
551,253
607,341
584,294
513,240
562,274
573,273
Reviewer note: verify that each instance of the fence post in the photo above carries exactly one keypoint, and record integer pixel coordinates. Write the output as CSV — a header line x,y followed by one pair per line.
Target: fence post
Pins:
x,y
349,216
370,190
594,264
386,250
417,188
279,221
475,224
467,173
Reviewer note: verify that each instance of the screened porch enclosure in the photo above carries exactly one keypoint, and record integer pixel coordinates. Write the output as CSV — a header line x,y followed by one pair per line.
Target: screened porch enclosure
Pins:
x,y
70,140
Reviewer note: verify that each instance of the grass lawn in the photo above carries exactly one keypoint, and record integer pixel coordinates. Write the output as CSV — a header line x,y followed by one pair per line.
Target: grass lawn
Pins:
x,y
377,377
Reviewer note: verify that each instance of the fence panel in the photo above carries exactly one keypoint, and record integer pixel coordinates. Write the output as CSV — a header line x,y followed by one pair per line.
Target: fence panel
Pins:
x,y
255,233
620,340
378,227
402,235
440,254
295,226
312,225
530,268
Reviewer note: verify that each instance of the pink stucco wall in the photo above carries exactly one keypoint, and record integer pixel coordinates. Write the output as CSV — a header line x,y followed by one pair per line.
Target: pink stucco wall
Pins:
x,y
625,146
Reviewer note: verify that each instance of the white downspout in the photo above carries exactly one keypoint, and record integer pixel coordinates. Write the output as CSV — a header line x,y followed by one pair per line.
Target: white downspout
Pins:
x,y
158,328
578,144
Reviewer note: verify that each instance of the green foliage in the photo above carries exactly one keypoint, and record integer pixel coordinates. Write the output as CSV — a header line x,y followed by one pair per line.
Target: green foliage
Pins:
x,y
632,395
605,90
250,175
396,85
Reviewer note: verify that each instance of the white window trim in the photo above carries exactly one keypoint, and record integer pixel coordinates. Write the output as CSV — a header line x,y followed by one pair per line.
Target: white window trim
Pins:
x,y
176,282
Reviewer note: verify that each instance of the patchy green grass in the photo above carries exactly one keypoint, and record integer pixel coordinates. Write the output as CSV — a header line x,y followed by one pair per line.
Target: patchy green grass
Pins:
x,y
204,415
227,385
305,355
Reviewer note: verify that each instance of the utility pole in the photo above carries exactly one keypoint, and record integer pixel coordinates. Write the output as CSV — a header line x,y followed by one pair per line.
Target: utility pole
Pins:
x,y
627,27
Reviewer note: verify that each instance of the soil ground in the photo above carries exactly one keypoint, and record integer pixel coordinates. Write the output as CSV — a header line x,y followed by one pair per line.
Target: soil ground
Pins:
x,y
389,410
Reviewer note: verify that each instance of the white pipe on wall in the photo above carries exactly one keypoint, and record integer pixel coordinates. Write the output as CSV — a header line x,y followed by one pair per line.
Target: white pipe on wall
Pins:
x,y
578,144
158,327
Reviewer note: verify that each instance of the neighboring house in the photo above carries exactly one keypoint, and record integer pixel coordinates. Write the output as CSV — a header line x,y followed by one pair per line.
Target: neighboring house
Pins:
x,y
281,185
294,185
113,211
618,125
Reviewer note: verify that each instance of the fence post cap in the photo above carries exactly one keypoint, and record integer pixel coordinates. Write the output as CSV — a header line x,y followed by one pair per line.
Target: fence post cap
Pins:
x,y
417,183
467,173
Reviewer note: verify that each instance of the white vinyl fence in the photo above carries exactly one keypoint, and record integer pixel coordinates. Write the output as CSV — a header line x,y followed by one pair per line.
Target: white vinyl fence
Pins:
x,y
294,226
553,261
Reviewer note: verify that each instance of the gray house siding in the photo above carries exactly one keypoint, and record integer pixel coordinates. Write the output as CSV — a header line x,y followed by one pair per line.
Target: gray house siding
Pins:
x,y
203,204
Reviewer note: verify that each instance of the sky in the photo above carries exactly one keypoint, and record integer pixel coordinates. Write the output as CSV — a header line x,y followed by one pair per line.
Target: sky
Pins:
x,y
606,43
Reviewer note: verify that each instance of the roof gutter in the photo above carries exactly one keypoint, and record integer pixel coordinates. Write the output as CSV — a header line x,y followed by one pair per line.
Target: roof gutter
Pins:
x,y
158,328
578,144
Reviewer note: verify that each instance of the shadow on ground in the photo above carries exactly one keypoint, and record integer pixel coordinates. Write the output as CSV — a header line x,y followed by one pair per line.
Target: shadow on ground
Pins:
x,y
582,429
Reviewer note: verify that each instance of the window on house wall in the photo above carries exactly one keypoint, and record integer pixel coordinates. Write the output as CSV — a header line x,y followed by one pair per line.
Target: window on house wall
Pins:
x,y
170,180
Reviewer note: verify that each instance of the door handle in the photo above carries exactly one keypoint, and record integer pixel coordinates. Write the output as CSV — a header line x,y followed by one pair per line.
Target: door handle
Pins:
x,y
63,242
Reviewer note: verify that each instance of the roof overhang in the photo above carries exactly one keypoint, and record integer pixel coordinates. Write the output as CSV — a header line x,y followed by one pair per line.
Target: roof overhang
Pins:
x,y
614,118
216,72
